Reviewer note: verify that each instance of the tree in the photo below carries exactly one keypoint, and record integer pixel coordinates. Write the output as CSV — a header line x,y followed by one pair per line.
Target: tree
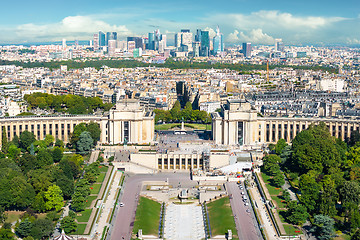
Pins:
x,y
278,180
315,149
296,213
350,193
354,138
271,164
323,227
175,110
57,154
280,145
85,142
39,203
24,228
356,235
79,128
310,190
3,215
26,139
328,196
78,203
49,140
59,143
94,130
41,228
4,141
32,150
15,141
44,158
286,196
13,152
68,224
66,185
53,198
6,234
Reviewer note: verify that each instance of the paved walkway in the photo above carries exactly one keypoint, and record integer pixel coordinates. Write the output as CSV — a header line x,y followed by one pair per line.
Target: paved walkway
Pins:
x,y
262,213
109,204
287,187
184,222
275,213
102,189
94,156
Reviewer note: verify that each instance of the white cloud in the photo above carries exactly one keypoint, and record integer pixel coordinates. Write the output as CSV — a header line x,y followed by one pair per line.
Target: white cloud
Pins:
x,y
71,27
353,41
262,26
254,36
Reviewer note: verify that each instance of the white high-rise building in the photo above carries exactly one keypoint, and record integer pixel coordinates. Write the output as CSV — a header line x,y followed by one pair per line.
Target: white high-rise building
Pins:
x,y
186,39
64,44
111,47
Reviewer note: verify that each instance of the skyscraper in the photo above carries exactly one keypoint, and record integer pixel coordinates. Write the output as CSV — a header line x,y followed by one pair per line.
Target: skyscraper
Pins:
x,y
63,43
110,36
205,43
139,42
246,49
186,38
96,41
198,35
183,40
279,45
218,42
178,40
102,41
111,47
151,41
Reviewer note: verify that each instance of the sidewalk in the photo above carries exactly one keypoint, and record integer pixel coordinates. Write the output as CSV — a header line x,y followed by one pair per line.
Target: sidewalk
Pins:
x,y
92,206
109,204
275,213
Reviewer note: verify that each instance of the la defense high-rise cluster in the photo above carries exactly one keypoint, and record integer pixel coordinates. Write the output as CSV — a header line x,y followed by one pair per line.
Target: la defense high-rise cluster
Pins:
x,y
185,43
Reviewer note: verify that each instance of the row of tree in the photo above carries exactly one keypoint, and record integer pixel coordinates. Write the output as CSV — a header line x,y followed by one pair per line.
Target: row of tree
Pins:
x,y
170,63
176,114
326,171
71,104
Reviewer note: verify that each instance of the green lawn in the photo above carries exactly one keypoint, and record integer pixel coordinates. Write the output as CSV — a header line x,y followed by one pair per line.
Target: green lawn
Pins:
x,y
290,230
13,216
221,217
279,202
189,125
84,215
147,217
95,188
101,177
265,177
273,190
80,229
89,200
103,168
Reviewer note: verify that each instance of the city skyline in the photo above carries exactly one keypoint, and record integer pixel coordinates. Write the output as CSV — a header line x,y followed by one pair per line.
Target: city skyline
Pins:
x,y
258,22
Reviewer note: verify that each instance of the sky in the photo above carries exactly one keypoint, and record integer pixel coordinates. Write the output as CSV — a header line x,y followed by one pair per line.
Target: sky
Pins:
x,y
297,22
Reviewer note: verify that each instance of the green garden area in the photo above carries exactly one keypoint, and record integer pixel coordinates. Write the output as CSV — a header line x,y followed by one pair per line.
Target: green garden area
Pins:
x,y
147,217
324,172
221,217
83,210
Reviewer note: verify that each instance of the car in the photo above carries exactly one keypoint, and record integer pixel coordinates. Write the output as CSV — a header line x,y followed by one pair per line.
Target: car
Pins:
x,y
122,204
246,204
242,193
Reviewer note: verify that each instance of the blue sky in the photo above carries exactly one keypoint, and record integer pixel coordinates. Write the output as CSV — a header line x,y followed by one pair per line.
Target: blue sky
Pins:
x,y
257,21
